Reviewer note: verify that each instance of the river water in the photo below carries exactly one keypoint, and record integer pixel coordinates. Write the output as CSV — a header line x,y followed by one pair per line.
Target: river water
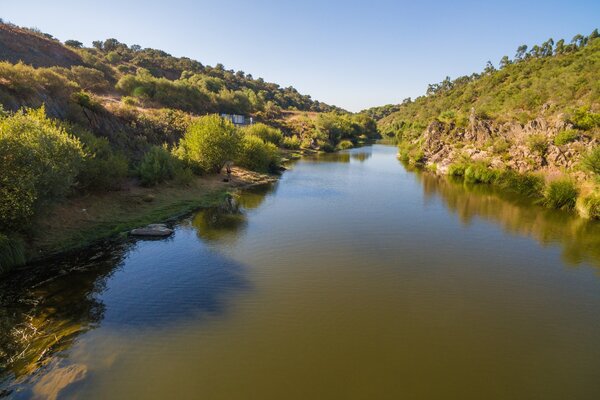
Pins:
x,y
350,278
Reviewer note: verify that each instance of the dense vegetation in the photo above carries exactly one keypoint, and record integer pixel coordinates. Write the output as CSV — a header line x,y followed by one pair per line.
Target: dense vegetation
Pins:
x,y
532,125
563,76
113,113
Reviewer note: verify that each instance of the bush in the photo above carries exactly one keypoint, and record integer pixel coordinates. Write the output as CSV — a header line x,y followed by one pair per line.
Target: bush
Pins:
x,y
325,146
12,253
257,155
561,194
209,143
589,206
457,169
291,142
538,143
102,168
566,136
591,161
585,120
89,78
344,145
130,101
158,165
479,173
40,162
113,57
525,184
265,132
501,146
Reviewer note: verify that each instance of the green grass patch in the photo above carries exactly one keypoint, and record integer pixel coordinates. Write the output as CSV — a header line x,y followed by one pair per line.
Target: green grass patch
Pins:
x,y
479,173
529,185
561,194
589,206
566,136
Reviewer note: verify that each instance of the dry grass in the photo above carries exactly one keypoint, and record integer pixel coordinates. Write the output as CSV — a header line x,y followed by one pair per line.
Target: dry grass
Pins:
x,y
79,221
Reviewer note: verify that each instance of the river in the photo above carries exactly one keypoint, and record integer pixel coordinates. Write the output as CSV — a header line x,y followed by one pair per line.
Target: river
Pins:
x,y
350,278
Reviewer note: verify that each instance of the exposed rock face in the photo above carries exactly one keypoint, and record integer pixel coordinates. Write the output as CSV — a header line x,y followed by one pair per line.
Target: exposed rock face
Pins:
x,y
503,145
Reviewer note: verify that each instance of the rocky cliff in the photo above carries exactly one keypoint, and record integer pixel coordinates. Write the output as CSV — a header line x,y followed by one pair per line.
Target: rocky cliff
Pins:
x,y
521,147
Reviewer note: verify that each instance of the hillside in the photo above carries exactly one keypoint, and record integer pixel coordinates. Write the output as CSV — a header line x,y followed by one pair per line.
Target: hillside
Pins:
x,y
78,122
34,48
538,113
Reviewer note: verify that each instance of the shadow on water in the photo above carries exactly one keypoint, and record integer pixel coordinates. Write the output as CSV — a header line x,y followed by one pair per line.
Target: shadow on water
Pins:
x,y
43,308
579,238
135,285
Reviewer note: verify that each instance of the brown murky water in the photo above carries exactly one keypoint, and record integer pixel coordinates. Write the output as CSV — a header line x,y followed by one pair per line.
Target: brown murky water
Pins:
x,y
351,278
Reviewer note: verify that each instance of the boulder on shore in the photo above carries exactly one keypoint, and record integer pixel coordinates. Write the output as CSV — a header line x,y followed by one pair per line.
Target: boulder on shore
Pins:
x,y
153,230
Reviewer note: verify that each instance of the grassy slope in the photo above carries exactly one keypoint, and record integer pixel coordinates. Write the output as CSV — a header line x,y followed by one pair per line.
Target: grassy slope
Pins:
x,y
516,92
78,222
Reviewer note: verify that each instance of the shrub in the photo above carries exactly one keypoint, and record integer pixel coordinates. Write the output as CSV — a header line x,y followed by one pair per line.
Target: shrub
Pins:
x,y
12,253
591,161
102,168
291,142
566,136
89,78
525,184
447,117
457,169
40,162
86,101
257,155
158,165
344,145
538,143
585,120
209,143
589,206
560,194
325,146
265,132
479,173
501,145
113,57
130,101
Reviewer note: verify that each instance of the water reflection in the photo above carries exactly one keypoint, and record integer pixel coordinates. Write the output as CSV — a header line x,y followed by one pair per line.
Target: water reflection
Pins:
x,y
362,155
227,222
579,238
341,157
254,197
45,307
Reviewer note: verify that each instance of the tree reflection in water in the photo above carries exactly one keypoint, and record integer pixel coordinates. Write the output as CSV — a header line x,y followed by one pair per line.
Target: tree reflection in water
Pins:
x,y
225,223
579,238
41,312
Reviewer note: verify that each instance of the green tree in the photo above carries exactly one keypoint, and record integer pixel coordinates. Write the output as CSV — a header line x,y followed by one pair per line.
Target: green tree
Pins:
x,y
257,155
74,43
521,51
40,162
209,143
265,132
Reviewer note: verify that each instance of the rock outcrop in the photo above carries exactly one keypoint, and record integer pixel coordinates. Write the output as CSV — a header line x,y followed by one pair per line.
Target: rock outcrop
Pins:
x,y
504,144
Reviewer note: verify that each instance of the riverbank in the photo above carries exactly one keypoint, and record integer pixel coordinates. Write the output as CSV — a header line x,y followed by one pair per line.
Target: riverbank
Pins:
x,y
574,189
79,222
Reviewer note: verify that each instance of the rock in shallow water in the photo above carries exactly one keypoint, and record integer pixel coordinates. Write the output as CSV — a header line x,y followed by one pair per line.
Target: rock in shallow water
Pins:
x,y
153,230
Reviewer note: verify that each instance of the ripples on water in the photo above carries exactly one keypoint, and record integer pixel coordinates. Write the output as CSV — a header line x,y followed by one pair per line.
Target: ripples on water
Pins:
x,y
349,278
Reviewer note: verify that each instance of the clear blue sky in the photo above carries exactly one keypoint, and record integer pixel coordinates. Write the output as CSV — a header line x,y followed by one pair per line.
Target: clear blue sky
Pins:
x,y
349,53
